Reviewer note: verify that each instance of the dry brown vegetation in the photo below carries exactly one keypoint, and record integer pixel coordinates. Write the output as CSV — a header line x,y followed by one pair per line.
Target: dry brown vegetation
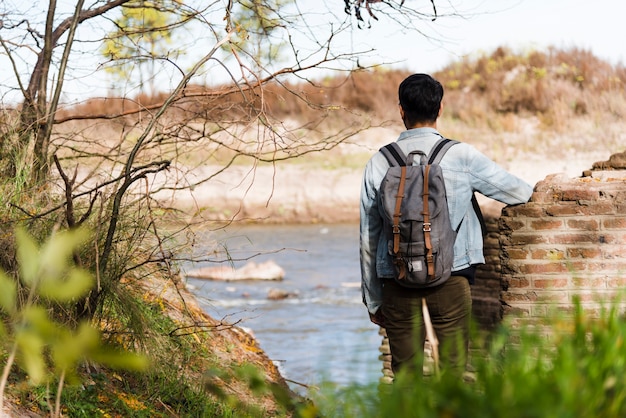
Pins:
x,y
555,85
535,113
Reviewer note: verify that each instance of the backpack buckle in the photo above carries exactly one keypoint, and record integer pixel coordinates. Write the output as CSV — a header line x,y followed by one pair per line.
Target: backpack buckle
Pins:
x,y
426,227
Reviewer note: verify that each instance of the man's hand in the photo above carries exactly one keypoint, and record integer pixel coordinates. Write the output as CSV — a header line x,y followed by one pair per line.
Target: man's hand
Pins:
x,y
378,318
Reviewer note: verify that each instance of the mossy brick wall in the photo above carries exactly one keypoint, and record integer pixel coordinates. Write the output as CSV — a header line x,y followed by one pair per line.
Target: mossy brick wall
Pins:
x,y
568,241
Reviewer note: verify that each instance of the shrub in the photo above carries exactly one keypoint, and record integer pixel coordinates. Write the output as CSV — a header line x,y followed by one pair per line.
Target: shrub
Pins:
x,y
574,371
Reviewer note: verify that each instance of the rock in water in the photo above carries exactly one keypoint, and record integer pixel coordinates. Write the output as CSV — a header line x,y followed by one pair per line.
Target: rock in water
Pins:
x,y
268,270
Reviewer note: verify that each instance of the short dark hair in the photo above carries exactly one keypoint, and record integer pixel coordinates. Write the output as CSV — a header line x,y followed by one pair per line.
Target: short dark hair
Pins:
x,y
420,96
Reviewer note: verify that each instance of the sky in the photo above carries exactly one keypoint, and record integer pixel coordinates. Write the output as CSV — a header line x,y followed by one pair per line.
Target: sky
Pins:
x,y
464,27
521,25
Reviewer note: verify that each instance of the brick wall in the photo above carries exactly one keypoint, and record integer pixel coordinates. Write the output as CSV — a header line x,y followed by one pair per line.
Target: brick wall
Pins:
x,y
486,306
569,240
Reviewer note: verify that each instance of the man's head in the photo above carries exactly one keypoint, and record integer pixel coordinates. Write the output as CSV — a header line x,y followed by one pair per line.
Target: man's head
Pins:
x,y
420,100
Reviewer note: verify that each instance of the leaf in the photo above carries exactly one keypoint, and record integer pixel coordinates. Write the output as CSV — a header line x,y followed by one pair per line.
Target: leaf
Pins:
x,y
31,357
57,251
36,318
3,333
120,359
27,257
8,293
64,289
70,349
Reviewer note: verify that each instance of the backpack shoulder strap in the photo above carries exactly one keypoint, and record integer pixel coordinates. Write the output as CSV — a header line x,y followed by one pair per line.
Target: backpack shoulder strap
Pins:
x,y
394,155
436,155
440,148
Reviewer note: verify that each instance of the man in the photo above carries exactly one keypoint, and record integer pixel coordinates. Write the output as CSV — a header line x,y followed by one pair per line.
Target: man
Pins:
x,y
399,309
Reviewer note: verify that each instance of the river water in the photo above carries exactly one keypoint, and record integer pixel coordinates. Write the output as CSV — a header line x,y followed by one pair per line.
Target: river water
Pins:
x,y
320,334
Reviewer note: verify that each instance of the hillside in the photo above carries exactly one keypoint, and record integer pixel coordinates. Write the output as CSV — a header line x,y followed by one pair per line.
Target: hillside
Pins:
x,y
536,113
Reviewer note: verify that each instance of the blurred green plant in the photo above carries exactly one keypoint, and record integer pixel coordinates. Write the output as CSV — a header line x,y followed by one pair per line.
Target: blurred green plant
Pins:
x,y
572,368
38,343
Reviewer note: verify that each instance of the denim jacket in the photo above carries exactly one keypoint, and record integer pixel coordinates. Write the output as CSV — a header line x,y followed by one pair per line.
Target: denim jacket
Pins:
x,y
465,170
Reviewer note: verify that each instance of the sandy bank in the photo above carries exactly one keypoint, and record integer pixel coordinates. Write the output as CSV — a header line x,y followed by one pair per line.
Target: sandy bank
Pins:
x,y
291,193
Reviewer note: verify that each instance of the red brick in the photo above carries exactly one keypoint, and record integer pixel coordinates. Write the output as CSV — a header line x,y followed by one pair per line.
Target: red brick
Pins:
x,y
510,311
528,209
578,266
511,268
518,282
586,224
546,186
548,196
614,223
515,253
605,208
545,254
580,193
544,268
612,266
599,208
519,297
559,283
618,281
542,224
511,224
581,238
614,251
584,252
587,297
564,210
589,282
597,266
552,296
527,239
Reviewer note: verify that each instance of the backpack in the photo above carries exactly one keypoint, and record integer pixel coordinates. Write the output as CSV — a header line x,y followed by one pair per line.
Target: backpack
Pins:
x,y
416,222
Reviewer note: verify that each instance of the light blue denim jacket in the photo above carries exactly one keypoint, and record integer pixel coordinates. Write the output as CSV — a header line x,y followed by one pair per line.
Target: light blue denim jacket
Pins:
x,y
465,170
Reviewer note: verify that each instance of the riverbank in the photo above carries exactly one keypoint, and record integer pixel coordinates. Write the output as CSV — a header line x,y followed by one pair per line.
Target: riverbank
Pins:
x,y
292,193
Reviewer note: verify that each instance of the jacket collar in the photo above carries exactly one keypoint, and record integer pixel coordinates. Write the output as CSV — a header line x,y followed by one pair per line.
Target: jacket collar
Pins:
x,y
417,132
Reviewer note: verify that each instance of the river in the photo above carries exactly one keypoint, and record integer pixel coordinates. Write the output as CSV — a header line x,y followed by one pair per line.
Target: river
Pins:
x,y
320,334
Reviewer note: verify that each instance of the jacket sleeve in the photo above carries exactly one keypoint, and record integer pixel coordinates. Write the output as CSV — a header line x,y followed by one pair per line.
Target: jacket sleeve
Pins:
x,y
491,180
370,230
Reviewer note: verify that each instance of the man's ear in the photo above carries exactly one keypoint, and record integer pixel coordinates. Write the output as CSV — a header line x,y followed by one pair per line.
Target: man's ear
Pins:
x,y
401,111
440,110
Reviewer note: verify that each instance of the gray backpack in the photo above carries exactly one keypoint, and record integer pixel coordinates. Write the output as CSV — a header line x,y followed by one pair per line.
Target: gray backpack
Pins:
x,y
420,237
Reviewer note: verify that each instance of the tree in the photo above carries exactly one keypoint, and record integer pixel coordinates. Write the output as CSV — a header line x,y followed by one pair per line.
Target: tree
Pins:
x,y
256,23
143,34
114,165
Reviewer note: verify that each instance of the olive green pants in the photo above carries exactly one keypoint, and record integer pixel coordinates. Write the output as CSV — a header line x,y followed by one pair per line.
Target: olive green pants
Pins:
x,y
449,307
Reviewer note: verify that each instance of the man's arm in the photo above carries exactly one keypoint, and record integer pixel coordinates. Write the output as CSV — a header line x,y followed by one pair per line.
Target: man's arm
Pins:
x,y
493,181
370,230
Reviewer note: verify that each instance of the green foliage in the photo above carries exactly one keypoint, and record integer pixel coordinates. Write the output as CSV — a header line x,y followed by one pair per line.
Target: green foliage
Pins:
x,y
42,346
572,369
144,33
257,25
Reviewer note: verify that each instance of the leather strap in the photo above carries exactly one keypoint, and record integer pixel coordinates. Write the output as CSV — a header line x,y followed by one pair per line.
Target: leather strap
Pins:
x,y
396,212
430,261
396,219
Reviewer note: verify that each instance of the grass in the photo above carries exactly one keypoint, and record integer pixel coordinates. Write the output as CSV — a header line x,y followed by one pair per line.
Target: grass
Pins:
x,y
573,371
178,382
